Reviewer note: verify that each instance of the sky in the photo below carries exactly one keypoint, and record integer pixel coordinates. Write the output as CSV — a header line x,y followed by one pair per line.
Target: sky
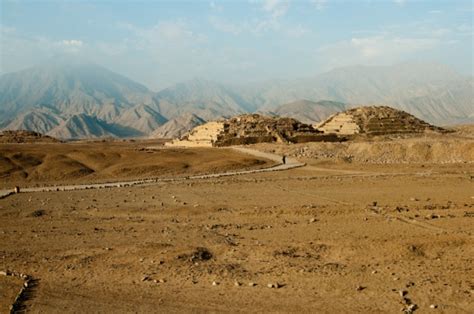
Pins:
x,y
159,43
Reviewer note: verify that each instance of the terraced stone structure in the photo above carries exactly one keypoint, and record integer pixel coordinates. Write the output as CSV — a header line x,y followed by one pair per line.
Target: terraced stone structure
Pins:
x,y
252,129
23,136
375,120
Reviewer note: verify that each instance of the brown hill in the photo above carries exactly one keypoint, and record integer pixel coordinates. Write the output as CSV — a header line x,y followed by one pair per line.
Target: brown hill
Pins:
x,y
91,162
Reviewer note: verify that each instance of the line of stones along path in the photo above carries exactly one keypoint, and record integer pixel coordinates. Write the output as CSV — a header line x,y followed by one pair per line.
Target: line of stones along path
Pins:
x,y
290,164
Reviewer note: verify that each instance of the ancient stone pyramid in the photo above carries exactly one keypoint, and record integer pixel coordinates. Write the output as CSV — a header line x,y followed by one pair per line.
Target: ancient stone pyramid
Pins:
x,y
23,136
251,129
375,120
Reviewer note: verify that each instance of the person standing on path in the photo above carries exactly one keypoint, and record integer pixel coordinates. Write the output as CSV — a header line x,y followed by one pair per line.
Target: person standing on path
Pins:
x,y
284,159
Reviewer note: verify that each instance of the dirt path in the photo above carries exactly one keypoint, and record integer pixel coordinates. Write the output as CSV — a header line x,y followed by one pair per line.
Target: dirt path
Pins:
x,y
290,164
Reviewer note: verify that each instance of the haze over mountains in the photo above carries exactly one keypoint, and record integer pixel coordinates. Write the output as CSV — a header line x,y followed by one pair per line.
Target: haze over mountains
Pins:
x,y
82,100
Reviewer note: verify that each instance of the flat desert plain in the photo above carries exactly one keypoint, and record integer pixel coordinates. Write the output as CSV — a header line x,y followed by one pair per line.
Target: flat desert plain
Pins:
x,y
339,235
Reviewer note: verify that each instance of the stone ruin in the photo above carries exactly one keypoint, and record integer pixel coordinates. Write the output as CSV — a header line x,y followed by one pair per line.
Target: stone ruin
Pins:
x,y
255,128
252,129
23,136
375,120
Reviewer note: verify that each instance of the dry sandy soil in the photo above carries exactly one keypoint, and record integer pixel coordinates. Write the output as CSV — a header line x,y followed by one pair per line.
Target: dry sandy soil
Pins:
x,y
84,162
331,237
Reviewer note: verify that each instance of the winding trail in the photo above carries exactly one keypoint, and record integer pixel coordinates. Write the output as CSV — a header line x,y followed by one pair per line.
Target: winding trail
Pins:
x,y
290,164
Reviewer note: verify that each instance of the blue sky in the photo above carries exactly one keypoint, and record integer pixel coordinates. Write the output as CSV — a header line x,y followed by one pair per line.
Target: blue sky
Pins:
x,y
159,43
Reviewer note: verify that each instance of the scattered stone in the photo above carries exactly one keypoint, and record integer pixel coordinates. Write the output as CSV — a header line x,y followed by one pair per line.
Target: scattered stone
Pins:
x,y
200,254
215,283
411,308
402,293
360,288
38,213
312,220
237,284
414,199
433,306
146,278
252,284
433,216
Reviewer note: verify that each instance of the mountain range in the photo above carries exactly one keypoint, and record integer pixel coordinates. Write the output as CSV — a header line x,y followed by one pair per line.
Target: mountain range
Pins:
x,y
72,99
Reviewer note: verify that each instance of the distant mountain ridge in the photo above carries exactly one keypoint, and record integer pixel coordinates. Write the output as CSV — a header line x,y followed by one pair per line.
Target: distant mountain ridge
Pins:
x,y
308,111
178,126
82,100
72,89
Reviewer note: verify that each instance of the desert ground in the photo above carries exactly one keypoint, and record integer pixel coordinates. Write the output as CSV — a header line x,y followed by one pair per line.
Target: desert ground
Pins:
x,y
372,226
38,164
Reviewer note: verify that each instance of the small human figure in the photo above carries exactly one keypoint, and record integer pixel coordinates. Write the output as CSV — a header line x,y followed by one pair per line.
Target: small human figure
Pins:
x,y
284,159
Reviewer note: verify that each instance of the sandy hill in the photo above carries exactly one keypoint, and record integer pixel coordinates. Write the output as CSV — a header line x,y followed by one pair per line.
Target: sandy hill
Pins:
x,y
374,120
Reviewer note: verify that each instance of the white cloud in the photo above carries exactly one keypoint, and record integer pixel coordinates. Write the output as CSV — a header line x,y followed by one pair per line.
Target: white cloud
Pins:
x,y
172,30
66,45
270,22
226,26
6,30
400,2
215,6
265,25
276,8
319,4
297,31
164,33
72,43
380,49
